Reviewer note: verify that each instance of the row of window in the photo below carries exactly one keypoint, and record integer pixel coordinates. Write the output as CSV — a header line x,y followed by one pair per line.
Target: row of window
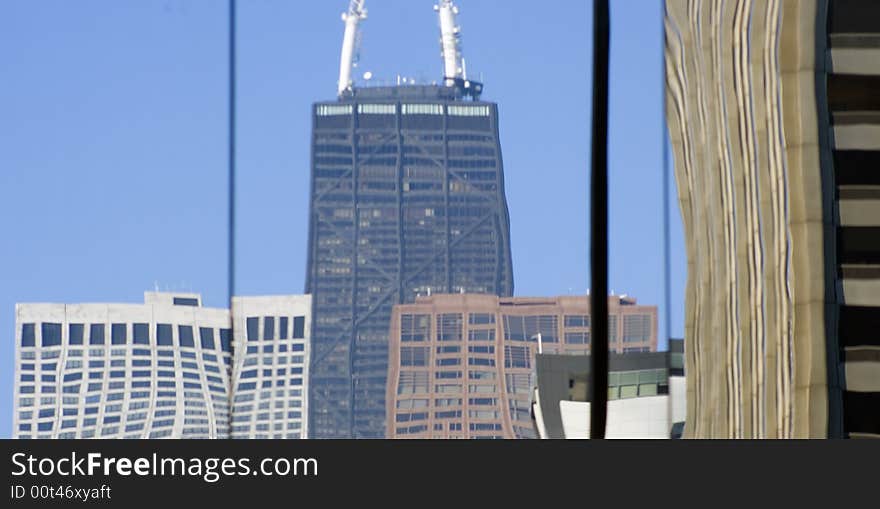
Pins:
x,y
269,331
125,334
415,328
324,110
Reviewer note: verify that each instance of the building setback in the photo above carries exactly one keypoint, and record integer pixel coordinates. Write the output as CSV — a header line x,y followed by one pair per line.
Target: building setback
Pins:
x,y
460,366
407,198
774,119
168,368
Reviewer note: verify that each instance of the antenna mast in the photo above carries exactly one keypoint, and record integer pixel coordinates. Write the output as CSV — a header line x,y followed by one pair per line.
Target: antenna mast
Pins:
x,y
454,70
352,18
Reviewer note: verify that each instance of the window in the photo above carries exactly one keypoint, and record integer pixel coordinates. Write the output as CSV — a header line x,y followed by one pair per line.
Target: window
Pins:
x,y
206,334
299,327
481,319
225,340
377,109
75,334
482,389
518,383
468,111
483,426
185,301
411,382
577,321
269,327
481,335
482,349
636,328
577,338
141,333
414,356
282,327
96,334
480,361
514,328
422,109
449,327
253,328
481,375
28,335
414,328
516,357
185,336
51,334
164,334
117,334
446,375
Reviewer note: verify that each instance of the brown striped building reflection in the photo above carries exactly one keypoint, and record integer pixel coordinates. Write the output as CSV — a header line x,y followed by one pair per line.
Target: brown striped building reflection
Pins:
x,y
773,110
460,365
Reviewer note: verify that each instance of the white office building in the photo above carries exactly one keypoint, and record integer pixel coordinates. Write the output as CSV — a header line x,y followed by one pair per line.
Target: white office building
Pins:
x,y
167,368
270,367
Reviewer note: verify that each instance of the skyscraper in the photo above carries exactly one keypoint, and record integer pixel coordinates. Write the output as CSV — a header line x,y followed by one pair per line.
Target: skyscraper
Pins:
x,y
168,368
461,366
773,112
407,198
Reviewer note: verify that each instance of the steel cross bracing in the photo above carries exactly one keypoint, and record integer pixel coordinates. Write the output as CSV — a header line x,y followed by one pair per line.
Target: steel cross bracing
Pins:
x,y
403,260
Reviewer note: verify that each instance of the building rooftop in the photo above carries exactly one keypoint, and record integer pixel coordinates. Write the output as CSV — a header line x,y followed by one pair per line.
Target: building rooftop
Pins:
x,y
410,92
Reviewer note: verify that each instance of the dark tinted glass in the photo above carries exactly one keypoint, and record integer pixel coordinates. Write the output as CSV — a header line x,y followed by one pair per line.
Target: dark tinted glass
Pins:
x,y
75,333
299,327
118,334
141,333
28,336
164,334
96,334
225,340
282,327
185,301
269,327
206,334
253,329
51,334
186,335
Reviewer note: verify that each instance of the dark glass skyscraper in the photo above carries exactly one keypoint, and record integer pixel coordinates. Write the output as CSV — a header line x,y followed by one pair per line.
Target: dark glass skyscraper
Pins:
x,y
407,198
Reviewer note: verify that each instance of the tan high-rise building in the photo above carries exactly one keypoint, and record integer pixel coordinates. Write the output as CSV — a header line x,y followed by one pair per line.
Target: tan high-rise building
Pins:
x,y
773,109
460,365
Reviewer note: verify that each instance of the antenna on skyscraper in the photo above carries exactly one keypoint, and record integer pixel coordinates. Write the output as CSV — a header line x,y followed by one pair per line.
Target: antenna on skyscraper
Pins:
x,y
454,67
350,42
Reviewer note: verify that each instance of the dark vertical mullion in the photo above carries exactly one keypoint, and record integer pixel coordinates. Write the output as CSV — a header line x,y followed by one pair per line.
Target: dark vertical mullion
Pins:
x,y
599,221
667,257
231,247
231,226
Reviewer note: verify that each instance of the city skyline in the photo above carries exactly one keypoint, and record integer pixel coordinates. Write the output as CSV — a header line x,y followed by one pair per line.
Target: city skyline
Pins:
x,y
180,110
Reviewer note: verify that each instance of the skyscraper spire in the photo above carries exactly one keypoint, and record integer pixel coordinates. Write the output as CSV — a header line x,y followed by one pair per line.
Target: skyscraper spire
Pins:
x,y
356,12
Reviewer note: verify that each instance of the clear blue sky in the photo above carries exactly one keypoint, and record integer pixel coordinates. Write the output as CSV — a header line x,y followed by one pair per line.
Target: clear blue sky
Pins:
x,y
113,142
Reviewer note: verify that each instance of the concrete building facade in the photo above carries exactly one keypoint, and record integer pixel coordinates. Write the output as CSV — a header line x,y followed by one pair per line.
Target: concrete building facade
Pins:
x,y
168,368
461,366
772,110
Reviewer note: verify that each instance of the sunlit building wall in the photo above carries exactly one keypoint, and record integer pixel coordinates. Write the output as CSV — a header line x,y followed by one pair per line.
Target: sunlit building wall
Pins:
x,y
461,366
774,119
